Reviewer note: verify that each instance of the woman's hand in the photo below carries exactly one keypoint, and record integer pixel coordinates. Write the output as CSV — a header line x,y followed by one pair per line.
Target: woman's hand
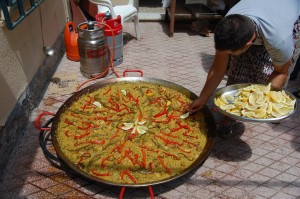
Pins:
x,y
195,106
214,77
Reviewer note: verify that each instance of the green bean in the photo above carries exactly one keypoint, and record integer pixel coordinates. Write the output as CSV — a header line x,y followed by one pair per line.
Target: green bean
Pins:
x,y
159,145
94,159
87,147
187,157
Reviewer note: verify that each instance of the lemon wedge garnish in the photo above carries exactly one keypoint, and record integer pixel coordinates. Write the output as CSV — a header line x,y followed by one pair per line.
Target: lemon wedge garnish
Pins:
x,y
127,126
141,122
185,115
142,129
124,92
137,126
98,104
169,103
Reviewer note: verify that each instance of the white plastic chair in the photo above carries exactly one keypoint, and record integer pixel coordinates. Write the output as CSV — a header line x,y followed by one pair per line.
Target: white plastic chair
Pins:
x,y
126,12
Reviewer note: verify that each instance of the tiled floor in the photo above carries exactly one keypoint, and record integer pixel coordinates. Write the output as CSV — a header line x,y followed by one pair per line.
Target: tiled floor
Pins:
x,y
263,161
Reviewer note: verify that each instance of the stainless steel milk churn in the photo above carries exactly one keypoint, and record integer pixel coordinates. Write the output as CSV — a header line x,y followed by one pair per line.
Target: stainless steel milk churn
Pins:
x,y
92,46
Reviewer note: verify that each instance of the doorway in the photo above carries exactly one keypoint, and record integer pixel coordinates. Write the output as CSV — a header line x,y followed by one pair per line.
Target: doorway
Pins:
x,y
151,10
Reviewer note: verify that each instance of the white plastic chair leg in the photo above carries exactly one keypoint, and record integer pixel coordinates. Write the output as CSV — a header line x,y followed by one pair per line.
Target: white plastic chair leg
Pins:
x,y
137,27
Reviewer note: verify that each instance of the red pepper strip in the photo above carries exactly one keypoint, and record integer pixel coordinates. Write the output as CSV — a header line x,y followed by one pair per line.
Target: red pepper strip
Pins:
x,y
88,126
179,100
131,136
152,101
84,155
83,107
115,104
126,106
82,135
190,143
144,162
136,100
167,142
158,121
97,141
125,100
90,142
105,119
136,157
90,101
68,122
121,159
163,164
110,98
107,91
98,111
89,106
119,94
119,148
67,134
172,155
183,126
127,172
161,113
148,149
155,101
104,160
185,151
114,109
158,102
185,107
77,116
150,166
169,135
176,129
127,154
187,135
100,174
114,135
140,118
170,117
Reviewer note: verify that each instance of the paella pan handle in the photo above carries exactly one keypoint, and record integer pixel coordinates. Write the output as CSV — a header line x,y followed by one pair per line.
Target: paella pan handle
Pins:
x,y
132,71
149,188
44,139
37,122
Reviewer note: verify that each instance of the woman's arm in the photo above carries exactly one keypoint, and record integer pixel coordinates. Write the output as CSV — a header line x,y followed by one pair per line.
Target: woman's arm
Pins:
x,y
214,77
279,75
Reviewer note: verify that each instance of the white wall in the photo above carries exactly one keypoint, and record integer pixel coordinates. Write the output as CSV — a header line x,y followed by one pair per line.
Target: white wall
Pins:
x,y
21,51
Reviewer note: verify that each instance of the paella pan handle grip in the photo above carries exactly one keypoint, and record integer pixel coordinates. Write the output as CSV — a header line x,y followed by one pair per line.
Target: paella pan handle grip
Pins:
x,y
44,139
37,122
149,188
133,71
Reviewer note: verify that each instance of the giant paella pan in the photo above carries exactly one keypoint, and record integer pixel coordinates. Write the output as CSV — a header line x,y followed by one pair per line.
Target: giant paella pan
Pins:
x,y
132,131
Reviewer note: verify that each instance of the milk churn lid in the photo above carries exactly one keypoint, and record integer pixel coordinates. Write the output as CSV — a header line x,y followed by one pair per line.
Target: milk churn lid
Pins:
x,y
90,25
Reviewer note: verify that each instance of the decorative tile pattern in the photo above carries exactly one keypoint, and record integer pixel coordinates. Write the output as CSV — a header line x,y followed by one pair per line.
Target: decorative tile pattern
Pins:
x,y
262,161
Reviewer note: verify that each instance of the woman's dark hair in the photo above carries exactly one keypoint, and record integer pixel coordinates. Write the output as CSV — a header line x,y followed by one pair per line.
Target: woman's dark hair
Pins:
x,y
233,32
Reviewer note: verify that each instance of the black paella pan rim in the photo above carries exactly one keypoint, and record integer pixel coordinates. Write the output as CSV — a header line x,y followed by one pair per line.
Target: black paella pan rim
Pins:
x,y
211,133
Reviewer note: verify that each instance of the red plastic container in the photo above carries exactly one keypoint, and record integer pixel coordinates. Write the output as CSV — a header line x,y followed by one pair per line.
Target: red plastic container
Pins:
x,y
71,36
115,25
114,34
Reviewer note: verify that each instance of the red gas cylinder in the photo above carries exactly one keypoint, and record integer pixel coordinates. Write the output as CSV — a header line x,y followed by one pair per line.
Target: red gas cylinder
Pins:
x,y
114,34
71,45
